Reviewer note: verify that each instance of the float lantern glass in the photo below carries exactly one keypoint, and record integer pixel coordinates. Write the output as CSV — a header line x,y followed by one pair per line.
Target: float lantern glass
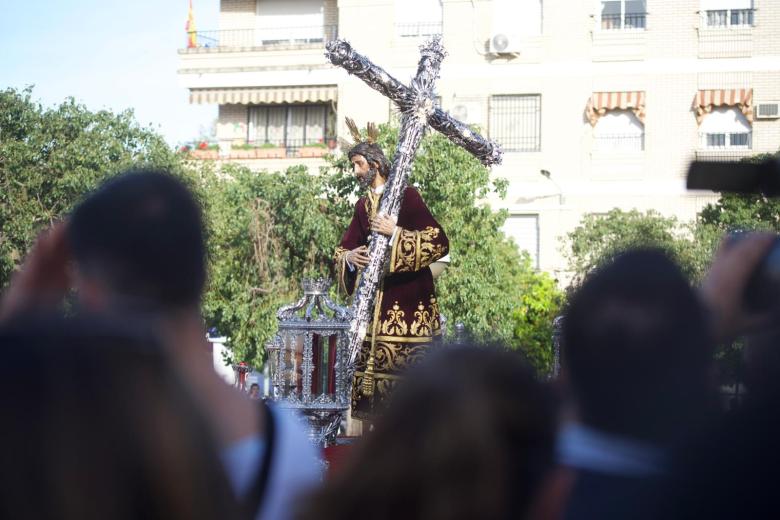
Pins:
x,y
308,360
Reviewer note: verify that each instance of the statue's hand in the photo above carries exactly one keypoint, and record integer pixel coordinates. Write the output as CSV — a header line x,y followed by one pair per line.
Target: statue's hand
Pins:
x,y
358,256
383,224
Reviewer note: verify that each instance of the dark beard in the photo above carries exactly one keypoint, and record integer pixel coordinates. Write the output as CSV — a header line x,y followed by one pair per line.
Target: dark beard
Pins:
x,y
367,181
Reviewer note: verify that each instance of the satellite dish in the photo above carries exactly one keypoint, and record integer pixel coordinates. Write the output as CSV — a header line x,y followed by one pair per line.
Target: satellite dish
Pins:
x,y
500,42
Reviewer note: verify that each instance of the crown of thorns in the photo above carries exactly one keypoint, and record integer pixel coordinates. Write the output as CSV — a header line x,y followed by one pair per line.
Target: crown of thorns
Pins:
x,y
372,132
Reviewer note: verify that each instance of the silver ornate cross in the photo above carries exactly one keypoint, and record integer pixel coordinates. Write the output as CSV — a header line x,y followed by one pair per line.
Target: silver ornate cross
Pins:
x,y
417,113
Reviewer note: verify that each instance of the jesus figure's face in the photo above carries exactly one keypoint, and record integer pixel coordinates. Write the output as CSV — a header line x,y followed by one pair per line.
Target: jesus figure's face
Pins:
x,y
363,171
359,166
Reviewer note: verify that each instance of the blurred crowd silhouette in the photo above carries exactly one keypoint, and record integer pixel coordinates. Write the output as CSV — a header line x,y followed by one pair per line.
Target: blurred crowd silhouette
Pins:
x,y
112,409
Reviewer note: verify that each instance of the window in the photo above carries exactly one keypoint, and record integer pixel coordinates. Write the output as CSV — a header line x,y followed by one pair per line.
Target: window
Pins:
x,y
285,22
725,128
291,126
619,131
727,13
623,14
524,230
418,18
515,122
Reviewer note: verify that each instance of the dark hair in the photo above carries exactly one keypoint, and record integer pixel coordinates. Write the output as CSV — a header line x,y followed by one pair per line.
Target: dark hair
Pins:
x,y
636,347
97,425
372,152
141,233
468,434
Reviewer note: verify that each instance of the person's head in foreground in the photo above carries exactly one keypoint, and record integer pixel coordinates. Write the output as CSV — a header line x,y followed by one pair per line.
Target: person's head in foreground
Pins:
x,y
96,425
469,434
137,242
637,353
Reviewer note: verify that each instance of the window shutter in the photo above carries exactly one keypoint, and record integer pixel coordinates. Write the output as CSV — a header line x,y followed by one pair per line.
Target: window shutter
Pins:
x,y
524,229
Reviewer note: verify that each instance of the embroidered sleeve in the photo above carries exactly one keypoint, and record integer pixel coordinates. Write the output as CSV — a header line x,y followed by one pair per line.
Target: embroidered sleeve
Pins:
x,y
419,240
415,250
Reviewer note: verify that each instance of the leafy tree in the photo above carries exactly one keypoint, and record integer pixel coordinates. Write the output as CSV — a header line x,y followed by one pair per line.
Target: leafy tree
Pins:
x,y
266,232
599,238
51,157
744,211
540,302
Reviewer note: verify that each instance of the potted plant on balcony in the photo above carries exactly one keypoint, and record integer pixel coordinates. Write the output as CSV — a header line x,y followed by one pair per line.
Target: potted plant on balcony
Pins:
x,y
317,149
205,150
242,151
270,151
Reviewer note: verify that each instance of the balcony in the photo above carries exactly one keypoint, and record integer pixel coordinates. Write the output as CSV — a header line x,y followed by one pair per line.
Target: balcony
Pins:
x,y
725,146
726,33
619,143
273,149
264,38
418,30
726,18
298,148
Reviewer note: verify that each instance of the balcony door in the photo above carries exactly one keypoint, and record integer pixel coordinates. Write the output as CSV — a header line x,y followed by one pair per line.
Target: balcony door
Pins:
x,y
281,22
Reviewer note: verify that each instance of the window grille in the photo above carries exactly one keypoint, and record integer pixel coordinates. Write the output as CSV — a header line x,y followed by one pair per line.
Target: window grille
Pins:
x,y
291,125
515,122
524,229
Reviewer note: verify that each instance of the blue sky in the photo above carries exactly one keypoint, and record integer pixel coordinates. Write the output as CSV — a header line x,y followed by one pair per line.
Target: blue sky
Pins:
x,y
106,54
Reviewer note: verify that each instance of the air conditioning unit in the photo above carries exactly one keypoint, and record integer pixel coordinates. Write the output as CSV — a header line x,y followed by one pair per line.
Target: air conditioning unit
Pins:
x,y
768,110
504,43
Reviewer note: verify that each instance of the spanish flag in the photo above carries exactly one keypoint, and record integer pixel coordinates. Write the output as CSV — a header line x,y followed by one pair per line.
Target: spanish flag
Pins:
x,y
192,38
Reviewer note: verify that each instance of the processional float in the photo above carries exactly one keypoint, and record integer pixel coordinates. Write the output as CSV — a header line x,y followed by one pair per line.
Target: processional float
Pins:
x,y
293,385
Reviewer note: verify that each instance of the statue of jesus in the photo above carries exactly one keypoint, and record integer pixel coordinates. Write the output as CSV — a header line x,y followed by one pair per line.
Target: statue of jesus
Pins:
x,y
406,318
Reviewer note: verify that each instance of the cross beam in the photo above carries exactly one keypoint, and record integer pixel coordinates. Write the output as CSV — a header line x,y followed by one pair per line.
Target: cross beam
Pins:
x,y
418,112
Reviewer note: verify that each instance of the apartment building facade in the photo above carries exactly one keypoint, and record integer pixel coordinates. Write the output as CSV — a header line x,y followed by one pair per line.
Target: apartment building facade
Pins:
x,y
597,103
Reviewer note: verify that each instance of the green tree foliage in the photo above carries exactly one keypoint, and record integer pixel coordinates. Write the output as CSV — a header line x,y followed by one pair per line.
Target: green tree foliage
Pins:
x,y
744,212
51,157
600,237
266,232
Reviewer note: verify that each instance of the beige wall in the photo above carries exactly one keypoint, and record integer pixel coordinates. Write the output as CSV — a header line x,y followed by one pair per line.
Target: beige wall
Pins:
x,y
673,58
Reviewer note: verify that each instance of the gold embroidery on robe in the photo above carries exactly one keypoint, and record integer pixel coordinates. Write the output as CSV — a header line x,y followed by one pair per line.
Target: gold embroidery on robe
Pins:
x,y
395,324
414,250
426,321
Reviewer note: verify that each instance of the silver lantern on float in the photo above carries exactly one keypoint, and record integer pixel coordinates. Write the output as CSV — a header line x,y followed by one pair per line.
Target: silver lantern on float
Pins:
x,y
308,360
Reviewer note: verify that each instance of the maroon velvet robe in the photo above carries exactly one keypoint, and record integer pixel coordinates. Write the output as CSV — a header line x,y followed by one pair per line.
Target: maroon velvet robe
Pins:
x,y
406,313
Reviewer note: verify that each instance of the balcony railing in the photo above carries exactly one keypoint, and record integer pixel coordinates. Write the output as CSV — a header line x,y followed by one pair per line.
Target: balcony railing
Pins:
x,y
614,22
619,142
418,30
266,37
298,147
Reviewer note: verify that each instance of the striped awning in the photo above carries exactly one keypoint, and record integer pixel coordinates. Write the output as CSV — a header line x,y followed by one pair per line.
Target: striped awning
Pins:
x,y
263,95
706,100
602,102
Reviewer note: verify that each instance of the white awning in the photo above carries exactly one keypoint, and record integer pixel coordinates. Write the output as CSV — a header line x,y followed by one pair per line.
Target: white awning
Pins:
x,y
264,95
